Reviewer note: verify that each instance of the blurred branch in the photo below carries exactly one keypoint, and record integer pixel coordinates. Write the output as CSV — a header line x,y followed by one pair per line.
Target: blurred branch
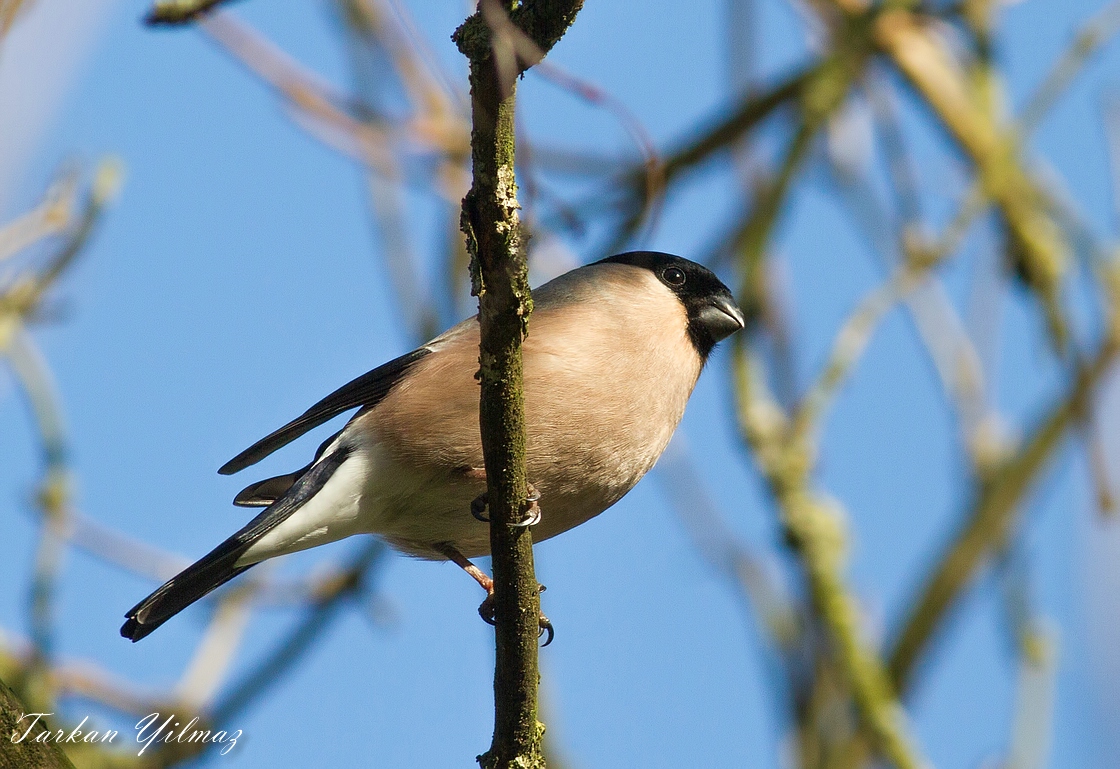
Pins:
x,y
330,598
639,197
1035,699
36,674
52,216
939,326
331,117
17,302
9,12
768,603
810,522
919,259
309,94
821,93
178,12
993,517
754,236
1098,31
53,502
216,650
22,297
1099,465
994,150
814,530
848,346
998,499
1036,649
726,130
88,681
778,612
901,167
129,553
654,181
390,32
383,57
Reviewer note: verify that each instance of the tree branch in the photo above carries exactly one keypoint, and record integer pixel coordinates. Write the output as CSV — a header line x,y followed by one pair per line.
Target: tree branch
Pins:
x,y
27,753
814,530
995,513
173,13
499,273
992,147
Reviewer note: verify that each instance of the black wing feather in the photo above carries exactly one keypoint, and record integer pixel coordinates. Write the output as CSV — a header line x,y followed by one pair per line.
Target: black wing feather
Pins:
x,y
264,493
218,566
367,390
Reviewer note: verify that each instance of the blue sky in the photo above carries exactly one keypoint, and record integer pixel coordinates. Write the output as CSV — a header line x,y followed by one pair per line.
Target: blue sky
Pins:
x,y
236,280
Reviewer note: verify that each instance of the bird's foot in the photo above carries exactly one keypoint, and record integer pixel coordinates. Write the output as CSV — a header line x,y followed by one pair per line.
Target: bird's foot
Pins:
x,y
486,611
531,509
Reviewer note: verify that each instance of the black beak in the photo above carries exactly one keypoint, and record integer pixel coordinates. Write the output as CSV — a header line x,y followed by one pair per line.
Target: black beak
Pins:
x,y
721,317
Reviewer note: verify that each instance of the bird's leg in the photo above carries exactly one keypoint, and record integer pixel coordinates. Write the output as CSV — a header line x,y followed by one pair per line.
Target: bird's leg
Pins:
x,y
460,560
486,608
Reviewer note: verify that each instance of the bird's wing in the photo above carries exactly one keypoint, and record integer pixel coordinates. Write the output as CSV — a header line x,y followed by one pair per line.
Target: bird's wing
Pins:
x,y
221,564
264,493
367,390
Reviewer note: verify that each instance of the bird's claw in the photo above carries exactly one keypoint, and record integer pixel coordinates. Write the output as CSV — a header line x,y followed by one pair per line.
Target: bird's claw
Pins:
x,y
486,611
545,627
531,508
478,507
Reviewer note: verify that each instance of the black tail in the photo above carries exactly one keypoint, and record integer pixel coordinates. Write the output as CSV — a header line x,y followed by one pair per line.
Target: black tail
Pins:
x,y
219,565
211,572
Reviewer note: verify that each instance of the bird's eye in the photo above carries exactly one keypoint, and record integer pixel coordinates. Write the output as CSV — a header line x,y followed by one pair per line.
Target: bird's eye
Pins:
x,y
674,276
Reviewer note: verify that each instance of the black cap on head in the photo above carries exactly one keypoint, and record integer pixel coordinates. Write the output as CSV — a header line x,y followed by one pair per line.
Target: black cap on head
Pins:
x,y
711,309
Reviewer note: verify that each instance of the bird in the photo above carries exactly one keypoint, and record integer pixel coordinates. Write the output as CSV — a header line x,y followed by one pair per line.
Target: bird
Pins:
x,y
613,351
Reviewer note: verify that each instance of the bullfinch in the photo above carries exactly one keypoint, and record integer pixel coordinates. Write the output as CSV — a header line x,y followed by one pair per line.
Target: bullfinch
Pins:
x,y
613,351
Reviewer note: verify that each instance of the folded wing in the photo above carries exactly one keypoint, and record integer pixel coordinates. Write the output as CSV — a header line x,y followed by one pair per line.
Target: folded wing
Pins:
x,y
367,390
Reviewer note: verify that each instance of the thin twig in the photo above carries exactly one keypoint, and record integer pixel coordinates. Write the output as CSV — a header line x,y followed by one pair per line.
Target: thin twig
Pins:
x,y
725,130
1037,653
814,530
991,519
1096,32
179,12
268,672
937,77
53,502
848,346
53,216
647,149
